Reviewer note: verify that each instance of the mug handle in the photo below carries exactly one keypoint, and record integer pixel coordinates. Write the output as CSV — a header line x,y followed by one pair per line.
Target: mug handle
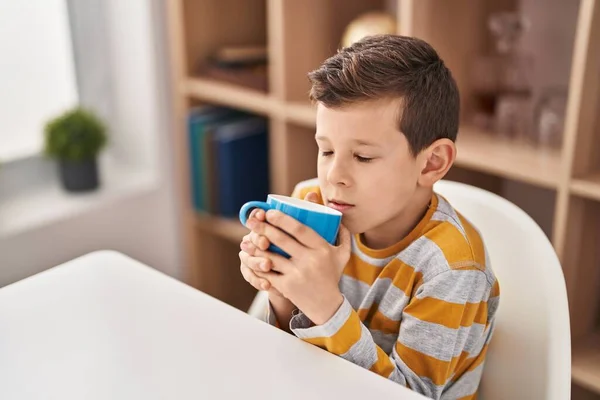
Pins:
x,y
249,206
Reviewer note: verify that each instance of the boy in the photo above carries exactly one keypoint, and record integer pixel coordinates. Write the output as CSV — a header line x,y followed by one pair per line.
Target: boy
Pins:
x,y
408,291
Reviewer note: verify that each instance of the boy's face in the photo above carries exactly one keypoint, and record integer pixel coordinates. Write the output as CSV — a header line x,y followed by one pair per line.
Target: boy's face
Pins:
x,y
365,166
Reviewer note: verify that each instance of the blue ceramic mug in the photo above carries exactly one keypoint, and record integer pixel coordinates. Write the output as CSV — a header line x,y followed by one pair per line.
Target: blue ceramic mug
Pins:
x,y
323,220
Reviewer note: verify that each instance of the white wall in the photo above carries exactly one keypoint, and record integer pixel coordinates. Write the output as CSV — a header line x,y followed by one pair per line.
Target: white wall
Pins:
x,y
142,225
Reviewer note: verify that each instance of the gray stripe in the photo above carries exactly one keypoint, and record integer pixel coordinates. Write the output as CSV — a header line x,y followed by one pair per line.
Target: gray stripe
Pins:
x,y
363,352
390,298
354,290
393,302
478,335
270,315
328,329
475,348
457,286
437,340
446,213
404,375
425,256
489,272
466,385
384,340
376,262
493,305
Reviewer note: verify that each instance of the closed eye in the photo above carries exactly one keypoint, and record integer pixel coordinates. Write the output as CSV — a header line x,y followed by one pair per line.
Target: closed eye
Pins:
x,y
326,153
363,159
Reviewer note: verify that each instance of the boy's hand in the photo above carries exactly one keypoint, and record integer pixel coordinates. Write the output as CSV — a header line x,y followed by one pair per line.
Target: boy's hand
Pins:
x,y
310,278
262,242
251,266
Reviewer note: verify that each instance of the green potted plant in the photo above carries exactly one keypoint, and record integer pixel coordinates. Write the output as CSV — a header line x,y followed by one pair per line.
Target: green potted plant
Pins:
x,y
75,139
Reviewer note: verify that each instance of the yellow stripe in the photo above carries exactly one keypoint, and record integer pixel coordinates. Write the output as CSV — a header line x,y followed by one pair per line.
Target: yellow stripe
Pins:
x,y
495,290
362,271
301,192
425,366
383,366
475,241
450,315
343,339
437,370
375,320
403,276
470,364
382,323
406,278
452,243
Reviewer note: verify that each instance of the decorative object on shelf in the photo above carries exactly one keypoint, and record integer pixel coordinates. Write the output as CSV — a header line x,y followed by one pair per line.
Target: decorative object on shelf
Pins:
x,y
75,139
240,65
550,117
502,81
368,24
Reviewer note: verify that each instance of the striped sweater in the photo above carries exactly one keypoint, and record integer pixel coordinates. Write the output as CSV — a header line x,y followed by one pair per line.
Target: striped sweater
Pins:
x,y
420,312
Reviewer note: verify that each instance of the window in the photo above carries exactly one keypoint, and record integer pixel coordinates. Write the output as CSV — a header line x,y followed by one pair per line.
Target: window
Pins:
x,y
37,72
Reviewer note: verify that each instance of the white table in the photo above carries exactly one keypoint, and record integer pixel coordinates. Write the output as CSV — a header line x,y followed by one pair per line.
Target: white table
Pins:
x,y
104,326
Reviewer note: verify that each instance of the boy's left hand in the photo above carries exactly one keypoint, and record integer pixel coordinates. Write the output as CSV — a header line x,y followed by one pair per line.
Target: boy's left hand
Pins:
x,y
310,278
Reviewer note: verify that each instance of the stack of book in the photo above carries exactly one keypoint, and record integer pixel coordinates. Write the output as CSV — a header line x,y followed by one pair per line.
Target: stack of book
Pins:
x,y
228,159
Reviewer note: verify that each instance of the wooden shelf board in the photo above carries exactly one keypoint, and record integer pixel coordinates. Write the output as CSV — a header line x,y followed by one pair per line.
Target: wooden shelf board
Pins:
x,y
302,114
226,228
230,95
587,186
585,368
477,150
484,152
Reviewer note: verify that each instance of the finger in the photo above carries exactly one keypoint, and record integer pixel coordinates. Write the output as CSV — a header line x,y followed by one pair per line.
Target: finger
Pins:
x,y
313,197
278,263
255,263
302,233
256,214
248,247
273,279
344,238
277,237
253,279
259,241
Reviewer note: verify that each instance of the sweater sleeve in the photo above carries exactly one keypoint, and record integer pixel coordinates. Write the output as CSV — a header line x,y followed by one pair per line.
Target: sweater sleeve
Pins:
x,y
440,330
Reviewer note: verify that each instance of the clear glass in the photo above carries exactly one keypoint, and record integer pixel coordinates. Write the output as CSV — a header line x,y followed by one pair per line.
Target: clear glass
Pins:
x,y
550,118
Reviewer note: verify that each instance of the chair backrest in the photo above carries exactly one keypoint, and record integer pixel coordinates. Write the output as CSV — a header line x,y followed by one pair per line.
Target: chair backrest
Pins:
x,y
530,354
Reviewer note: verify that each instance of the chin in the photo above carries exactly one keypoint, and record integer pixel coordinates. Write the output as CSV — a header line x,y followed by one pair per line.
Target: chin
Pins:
x,y
353,226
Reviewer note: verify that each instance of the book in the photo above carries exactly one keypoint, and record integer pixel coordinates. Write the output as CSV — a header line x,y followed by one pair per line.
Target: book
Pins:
x,y
200,120
241,163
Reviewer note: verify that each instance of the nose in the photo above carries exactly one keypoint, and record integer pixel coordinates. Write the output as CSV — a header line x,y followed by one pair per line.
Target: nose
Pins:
x,y
339,173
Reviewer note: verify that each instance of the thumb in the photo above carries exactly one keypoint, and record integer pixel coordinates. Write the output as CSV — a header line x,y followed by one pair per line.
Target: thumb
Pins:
x,y
312,197
344,239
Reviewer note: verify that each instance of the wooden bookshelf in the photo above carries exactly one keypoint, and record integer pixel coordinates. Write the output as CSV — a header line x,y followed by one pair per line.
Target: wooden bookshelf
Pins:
x,y
299,35
586,363
228,229
587,186
484,152
229,95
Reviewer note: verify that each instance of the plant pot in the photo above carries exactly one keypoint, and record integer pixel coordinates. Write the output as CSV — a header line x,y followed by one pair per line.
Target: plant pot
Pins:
x,y
79,176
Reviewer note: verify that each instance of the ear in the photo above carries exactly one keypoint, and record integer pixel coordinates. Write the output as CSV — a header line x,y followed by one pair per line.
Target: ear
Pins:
x,y
435,161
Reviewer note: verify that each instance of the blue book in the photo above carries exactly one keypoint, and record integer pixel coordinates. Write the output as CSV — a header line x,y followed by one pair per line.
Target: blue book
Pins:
x,y
199,122
242,162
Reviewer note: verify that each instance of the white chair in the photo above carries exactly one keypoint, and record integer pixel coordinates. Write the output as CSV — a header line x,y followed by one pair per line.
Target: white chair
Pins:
x,y
530,354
